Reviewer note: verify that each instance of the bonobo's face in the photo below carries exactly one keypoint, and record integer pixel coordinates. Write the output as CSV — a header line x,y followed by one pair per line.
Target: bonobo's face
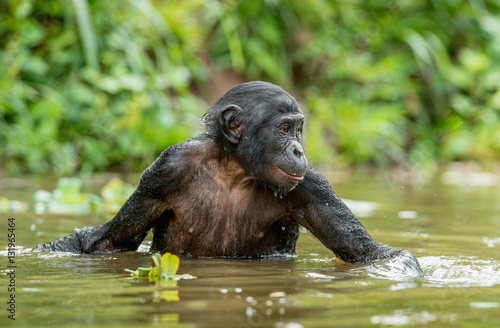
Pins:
x,y
284,161
274,140
263,123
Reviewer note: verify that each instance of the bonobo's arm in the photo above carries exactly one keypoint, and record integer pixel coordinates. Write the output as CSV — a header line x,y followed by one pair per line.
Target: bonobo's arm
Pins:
x,y
132,222
331,221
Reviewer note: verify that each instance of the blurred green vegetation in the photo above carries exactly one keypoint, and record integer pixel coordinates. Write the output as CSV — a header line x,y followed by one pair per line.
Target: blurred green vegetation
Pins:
x,y
88,85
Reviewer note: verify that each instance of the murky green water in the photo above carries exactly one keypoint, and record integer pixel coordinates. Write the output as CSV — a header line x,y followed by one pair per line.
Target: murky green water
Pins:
x,y
453,230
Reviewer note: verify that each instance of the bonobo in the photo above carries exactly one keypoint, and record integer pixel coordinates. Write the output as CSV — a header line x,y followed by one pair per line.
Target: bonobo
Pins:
x,y
239,190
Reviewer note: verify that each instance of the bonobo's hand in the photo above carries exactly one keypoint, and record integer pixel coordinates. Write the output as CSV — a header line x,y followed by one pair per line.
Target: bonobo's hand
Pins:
x,y
71,243
80,241
402,264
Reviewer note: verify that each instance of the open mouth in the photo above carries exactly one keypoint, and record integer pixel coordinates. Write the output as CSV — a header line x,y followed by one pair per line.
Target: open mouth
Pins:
x,y
293,177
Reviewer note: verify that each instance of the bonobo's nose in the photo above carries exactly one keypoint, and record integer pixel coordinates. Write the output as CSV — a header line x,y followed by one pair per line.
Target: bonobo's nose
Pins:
x,y
297,150
297,158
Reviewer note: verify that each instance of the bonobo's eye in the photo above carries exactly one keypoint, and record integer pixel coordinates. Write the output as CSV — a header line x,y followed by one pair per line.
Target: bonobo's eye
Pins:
x,y
299,131
285,128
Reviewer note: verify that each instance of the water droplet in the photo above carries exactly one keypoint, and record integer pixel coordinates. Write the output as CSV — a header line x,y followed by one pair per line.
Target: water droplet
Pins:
x,y
250,312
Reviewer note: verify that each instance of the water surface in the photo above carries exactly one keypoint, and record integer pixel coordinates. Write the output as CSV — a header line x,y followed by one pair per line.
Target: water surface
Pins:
x,y
454,230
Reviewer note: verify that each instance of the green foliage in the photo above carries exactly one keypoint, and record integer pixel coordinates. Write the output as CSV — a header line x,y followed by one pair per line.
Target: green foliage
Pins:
x,y
93,85
85,85
435,83
361,132
386,81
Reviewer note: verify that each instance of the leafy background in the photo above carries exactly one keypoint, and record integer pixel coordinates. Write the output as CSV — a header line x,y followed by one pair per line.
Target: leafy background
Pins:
x,y
94,85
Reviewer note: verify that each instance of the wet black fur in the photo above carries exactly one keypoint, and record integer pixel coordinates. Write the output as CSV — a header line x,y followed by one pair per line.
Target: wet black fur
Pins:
x,y
215,197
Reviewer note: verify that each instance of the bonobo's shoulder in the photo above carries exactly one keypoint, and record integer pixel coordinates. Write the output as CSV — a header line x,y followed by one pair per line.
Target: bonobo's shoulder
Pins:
x,y
182,154
171,166
191,147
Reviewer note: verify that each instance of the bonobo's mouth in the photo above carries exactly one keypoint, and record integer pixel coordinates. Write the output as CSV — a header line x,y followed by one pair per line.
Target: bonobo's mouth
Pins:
x,y
293,176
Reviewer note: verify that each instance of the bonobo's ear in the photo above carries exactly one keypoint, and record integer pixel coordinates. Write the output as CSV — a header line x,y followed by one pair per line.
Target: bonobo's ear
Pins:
x,y
230,125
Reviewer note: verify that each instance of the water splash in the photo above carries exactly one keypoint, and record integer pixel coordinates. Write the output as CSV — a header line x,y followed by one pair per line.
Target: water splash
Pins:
x,y
460,271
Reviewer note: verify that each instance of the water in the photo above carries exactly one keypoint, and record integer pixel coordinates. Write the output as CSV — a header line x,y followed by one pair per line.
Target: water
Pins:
x,y
454,230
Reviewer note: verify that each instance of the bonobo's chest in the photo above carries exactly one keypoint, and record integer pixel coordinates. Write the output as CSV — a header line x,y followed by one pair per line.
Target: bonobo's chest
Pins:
x,y
225,213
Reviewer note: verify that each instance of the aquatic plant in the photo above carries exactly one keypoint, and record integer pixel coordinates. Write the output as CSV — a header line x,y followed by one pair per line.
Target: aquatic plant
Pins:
x,y
68,198
166,267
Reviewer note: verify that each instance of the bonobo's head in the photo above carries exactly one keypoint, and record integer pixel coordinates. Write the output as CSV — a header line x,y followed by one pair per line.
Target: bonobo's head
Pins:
x,y
261,124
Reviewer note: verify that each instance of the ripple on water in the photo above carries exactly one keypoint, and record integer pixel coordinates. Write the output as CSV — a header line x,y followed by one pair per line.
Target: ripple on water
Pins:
x,y
460,271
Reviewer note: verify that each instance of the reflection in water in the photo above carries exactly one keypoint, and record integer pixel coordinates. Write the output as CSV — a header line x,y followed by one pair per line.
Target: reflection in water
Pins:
x,y
166,290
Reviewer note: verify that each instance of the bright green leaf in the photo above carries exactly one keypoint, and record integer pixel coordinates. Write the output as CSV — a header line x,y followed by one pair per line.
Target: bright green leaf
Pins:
x,y
169,264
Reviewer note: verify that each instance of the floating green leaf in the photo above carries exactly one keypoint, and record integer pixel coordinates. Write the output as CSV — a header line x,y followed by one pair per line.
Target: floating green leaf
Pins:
x,y
169,264
166,267
141,272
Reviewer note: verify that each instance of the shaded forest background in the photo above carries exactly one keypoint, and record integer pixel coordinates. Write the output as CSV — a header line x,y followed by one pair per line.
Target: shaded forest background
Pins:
x,y
95,85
